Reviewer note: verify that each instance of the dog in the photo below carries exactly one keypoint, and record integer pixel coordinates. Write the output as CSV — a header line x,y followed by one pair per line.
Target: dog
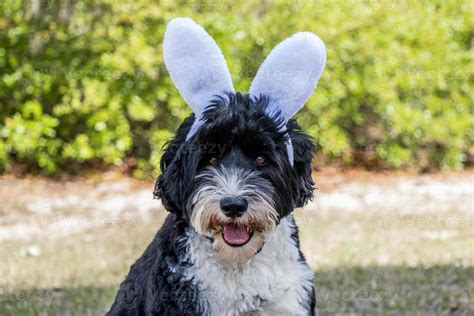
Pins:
x,y
231,178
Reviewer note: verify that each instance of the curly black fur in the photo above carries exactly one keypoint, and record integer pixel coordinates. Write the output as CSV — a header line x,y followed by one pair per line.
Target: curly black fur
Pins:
x,y
157,283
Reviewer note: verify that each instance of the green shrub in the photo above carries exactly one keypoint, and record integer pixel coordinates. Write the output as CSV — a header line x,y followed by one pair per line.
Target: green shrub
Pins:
x,y
85,83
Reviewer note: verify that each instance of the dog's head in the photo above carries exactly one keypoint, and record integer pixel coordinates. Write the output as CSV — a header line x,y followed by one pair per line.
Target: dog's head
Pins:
x,y
239,163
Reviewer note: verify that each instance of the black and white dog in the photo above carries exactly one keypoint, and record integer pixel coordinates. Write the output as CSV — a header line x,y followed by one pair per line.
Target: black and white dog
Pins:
x,y
230,179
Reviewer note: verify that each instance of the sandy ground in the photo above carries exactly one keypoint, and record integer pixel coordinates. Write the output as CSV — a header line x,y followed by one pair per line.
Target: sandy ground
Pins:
x,y
35,207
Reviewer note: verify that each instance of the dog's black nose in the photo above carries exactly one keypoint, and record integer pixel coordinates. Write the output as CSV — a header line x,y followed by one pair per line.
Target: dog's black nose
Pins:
x,y
233,206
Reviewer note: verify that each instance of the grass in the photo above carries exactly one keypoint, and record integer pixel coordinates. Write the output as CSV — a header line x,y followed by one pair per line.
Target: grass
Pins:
x,y
365,263
369,290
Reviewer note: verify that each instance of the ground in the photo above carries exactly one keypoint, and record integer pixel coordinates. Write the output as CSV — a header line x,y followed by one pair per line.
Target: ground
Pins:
x,y
378,244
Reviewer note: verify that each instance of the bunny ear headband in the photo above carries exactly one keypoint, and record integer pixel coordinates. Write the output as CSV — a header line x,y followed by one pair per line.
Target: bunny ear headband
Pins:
x,y
288,76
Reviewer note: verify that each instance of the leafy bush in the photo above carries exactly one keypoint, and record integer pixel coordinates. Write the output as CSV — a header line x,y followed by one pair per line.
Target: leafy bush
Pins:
x,y
85,83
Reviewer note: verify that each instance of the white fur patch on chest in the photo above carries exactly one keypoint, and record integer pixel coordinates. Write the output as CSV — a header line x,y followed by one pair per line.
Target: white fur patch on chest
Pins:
x,y
273,282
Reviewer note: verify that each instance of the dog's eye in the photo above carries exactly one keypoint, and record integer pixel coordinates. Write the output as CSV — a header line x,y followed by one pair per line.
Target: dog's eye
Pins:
x,y
260,160
213,161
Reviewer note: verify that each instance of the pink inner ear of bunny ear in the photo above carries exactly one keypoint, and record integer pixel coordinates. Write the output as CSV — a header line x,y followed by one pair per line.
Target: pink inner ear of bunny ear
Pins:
x,y
195,64
290,73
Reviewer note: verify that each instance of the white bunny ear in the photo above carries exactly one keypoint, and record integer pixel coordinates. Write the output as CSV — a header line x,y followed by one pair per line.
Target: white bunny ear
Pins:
x,y
196,65
289,74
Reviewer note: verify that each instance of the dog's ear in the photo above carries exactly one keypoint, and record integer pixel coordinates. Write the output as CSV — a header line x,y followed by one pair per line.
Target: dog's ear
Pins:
x,y
196,65
175,182
304,149
289,75
178,167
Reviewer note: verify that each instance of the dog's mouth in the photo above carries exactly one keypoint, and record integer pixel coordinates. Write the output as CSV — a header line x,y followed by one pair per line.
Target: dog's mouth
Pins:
x,y
237,235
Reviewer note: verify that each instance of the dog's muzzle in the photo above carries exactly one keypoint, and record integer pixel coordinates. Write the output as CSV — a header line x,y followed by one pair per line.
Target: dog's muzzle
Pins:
x,y
235,208
235,235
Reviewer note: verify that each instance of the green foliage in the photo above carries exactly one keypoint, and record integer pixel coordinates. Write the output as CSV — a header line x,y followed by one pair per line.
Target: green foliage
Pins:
x,y
85,83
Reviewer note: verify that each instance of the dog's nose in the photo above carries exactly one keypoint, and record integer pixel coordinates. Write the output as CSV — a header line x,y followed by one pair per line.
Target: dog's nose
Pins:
x,y
233,206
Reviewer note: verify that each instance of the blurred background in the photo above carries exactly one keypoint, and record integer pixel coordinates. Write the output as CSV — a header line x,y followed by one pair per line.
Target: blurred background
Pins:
x,y
86,105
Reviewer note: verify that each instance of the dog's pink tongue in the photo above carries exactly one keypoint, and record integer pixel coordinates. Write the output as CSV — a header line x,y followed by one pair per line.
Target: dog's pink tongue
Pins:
x,y
235,235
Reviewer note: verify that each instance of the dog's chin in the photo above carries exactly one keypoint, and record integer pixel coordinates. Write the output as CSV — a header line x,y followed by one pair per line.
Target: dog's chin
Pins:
x,y
237,243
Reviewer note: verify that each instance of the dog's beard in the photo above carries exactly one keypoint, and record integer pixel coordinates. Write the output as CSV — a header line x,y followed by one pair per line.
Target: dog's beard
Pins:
x,y
207,218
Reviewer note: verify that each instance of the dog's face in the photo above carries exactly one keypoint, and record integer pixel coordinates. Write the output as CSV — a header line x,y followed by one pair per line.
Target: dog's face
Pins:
x,y
232,181
240,163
